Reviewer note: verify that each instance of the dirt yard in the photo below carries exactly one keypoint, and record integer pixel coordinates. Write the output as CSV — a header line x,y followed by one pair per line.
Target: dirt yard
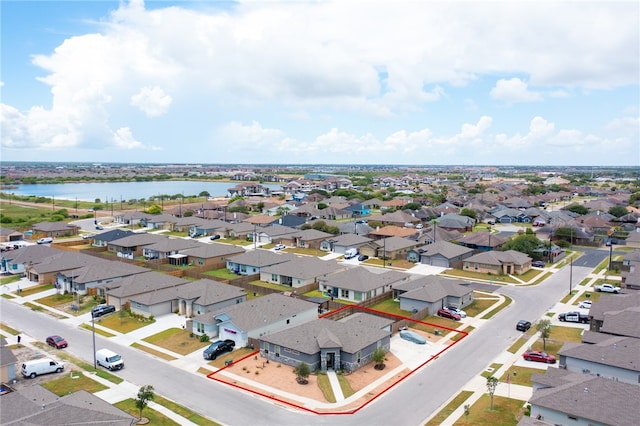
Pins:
x,y
280,377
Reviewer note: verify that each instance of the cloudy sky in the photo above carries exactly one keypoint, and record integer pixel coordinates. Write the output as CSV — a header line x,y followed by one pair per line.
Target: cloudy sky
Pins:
x,y
317,82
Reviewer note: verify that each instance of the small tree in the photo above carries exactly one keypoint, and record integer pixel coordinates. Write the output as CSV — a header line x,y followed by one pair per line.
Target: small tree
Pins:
x,y
302,371
492,384
145,394
378,357
466,412
544,327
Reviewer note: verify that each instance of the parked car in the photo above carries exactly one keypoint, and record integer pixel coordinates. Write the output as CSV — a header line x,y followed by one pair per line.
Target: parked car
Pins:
x,y
45,240
458,311
575,317
57,342
523,325
99,227
446,313
585,304
537,264
101,310
279,247
214,237
539,356
218,347
362,257
40,366
109,359
412,337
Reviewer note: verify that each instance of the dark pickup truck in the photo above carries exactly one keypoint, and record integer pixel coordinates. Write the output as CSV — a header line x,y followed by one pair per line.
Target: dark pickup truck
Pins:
x,y
575,317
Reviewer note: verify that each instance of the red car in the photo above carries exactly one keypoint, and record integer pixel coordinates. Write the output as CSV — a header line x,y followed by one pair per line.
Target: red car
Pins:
x,y
539,357
57,342
446,313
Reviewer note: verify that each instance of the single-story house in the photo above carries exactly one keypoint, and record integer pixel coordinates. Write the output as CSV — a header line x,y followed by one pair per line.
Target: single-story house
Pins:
x,y
340,243
211,256
483,241
168,246
255,318
440,253
54,229
13,261
324,344
308,238
508,262
104,238
432,292
120,292
8,362
10,235
359,284
299,272
100,273
253,261
132,245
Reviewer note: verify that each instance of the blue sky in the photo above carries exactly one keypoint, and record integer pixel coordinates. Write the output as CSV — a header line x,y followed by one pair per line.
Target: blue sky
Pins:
x,y
341,82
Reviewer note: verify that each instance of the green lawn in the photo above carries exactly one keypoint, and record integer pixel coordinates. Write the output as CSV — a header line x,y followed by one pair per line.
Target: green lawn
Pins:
x,y
122,322
72,382
152,351
184,412
479,305
177,340
442,415
35,289
325,387
56,299
494,279
517,345
155,418
98,330
390,306
491,370
223,274
506,412
520,375
503,305
8,329
10,279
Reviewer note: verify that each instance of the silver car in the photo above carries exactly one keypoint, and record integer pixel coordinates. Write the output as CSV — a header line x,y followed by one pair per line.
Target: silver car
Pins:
x,y
458,311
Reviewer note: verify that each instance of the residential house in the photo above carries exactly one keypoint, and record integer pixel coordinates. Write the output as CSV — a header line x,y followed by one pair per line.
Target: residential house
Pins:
x,y
46,270
455,222
432,292
167,247
251,262
616,358
80,280
324,344
398,218
8,235
390,248
394,231
358,210
508,262
255,318
189,299
440,253
130,218
159,221
119,292
54,229
563,398
299,272
8,363
340,243
104,238
612,313
510,215
273,234
35,405
359,284
482,241
133,245
15,262
308,238
212,256
631,279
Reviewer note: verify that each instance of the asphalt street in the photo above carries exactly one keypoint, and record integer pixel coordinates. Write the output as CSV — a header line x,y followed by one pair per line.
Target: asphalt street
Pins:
x,y
409,403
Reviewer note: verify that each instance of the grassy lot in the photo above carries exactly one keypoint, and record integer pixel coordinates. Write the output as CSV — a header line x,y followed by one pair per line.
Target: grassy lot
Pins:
x,y
177,340
436,321
315,293
566,334
390,306
541,278
73,382
35,289
585,281
155,418
238,242
594,296
8,329
10,279
223,274
233,356
56,299
184,412
566,298
123,322
98,330
394,263
273,286
491,370
479,305
347,391
442,415
494,279
506,412
503,305
307,251
325,387
520,375
517,345
152,351
7,296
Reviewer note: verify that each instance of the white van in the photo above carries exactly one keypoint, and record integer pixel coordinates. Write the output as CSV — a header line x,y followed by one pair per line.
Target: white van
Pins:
x,y
45,240
109,359
40,366
350,253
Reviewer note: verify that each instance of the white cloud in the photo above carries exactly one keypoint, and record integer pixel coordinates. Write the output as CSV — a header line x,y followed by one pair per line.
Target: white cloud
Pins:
x,y
252,135
153,101
513,91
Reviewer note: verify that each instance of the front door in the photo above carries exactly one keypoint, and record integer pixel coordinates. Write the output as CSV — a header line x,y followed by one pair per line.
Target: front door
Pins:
x,y
331,359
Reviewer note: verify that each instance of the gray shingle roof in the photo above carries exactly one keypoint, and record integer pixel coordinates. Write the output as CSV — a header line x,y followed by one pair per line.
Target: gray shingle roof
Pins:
x,y
500,257
138,239
445,249
104,271
309,337
349,240
432,288
264,310
623,323
261,258
620,352
361,279
206,251
614,302
304,267
142,283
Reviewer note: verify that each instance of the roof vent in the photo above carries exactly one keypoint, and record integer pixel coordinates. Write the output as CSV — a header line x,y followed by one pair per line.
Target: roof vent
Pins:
x,y
586,390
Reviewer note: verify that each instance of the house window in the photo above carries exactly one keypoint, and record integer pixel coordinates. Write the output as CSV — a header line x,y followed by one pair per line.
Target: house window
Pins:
x,y
358,295
266,348
200,261
274,278
358,355
200,327
276,349
475,266
238,301
572,417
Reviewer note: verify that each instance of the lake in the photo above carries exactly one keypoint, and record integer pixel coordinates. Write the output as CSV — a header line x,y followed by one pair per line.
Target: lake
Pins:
x,y
116,191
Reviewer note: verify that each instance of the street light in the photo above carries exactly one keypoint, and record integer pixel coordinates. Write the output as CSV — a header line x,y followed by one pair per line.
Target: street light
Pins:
x,y
570,273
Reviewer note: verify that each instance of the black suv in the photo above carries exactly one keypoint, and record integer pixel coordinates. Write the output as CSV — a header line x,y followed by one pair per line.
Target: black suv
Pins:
x,y
218,347
523,325
101,310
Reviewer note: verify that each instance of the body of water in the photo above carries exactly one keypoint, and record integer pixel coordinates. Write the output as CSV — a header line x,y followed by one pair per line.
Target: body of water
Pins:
x,y
125,191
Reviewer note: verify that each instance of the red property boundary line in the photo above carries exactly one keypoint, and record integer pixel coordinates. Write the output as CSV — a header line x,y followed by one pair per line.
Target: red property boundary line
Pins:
x,y
463,334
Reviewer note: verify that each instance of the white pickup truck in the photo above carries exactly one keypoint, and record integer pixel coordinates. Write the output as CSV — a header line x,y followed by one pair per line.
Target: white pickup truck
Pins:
x,y
607,288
